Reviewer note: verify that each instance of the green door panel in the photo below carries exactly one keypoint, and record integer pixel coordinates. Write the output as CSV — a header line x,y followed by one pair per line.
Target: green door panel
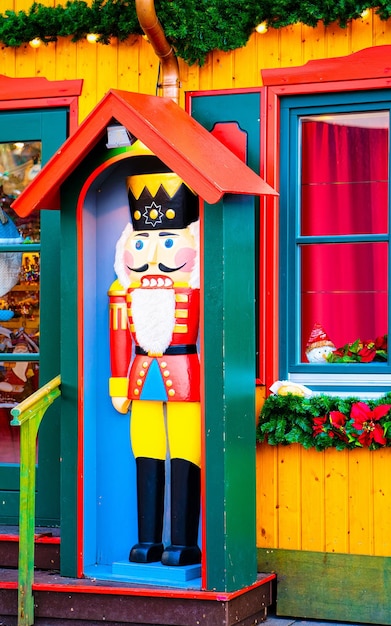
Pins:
x,y
243,108
230,264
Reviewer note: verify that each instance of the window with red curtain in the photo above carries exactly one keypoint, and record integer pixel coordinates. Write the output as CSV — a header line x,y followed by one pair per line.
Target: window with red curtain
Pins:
x,y
343,241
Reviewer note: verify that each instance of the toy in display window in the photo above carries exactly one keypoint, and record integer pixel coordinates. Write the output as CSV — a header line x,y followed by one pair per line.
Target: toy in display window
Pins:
x,y
19,290
155,370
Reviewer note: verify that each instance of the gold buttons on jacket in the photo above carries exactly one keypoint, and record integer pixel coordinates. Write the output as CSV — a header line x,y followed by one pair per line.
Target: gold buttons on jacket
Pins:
x,y
168,382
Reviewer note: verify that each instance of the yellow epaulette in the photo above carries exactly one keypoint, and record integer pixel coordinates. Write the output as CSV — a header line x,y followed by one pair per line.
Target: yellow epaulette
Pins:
x,y
116,289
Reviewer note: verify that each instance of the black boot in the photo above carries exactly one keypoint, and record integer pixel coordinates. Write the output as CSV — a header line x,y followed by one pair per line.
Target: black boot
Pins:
x,y
150,509
185,513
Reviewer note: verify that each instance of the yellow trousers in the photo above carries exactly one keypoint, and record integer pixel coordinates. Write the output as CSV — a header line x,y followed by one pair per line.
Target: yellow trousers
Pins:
x,y
154,426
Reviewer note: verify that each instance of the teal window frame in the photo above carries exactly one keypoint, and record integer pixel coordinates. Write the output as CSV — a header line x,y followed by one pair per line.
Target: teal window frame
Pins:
x,y
372,378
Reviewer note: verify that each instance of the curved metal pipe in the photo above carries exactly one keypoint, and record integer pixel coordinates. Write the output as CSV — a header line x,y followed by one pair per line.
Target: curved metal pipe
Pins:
x,y
169,63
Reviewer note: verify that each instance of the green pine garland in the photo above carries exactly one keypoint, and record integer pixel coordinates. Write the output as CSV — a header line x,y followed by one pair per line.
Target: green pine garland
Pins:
x,y
322,422
194,27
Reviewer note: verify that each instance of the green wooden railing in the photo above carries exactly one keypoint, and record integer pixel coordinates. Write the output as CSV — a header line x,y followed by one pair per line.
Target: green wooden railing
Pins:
x,y
28,415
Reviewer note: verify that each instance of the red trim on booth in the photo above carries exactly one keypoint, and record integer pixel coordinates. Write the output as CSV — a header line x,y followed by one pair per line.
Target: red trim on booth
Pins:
x,y
80,387
80,358
150,592
11,585
202,403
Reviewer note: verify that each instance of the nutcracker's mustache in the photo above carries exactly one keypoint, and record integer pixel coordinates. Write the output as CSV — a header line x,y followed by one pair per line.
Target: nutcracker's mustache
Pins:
x,y
161,266
143,268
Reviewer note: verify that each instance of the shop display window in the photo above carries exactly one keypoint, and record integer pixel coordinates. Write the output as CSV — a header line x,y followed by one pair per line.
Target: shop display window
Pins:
x,y
19,290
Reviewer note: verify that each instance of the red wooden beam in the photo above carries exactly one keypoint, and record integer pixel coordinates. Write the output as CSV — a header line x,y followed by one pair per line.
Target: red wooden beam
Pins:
x,y
25,88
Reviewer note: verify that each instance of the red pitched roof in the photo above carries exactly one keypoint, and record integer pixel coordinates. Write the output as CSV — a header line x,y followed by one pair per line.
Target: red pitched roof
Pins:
x,y
204,163
368,63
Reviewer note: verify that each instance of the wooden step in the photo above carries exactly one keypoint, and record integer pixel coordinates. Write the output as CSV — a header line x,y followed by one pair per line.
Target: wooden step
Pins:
x,y
47,547
80,602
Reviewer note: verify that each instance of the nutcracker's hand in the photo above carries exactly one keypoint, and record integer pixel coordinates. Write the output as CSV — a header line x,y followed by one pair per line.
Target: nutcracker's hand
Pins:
x,y
121,404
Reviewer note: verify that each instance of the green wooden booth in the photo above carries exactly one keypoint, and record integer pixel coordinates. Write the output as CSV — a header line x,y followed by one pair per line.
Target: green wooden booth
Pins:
x,y
85,180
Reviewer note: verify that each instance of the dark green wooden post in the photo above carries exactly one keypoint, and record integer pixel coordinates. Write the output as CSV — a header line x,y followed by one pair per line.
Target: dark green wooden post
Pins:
x,y
229,357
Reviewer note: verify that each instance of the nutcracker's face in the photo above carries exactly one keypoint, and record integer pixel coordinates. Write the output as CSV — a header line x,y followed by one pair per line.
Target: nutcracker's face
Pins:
x,y
160,253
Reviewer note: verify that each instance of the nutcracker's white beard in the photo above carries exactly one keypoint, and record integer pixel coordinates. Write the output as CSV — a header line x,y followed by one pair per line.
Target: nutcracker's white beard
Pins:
x,y
153,313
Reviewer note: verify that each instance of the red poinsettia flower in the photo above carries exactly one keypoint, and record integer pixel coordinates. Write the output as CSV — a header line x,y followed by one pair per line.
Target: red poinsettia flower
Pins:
x,y
381,342
318,425
367,353
337,419
367,420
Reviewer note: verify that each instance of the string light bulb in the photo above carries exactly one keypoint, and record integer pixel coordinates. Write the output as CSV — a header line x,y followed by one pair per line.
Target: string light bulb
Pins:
x,y
92,37
364,14
261,28
36,42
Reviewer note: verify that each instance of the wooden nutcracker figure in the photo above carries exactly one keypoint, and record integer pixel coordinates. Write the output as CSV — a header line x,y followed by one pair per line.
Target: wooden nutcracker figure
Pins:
x,y
155,370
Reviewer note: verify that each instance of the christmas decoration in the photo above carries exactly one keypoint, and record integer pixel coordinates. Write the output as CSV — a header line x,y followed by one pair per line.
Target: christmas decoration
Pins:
x,y
194,28
361,351
322,422
319,346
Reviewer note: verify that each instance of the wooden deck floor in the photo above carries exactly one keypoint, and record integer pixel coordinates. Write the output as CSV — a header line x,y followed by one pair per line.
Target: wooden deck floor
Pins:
x,y
61,601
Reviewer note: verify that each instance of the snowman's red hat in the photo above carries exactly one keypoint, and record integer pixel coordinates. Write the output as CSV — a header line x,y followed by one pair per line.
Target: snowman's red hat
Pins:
x,y
318,339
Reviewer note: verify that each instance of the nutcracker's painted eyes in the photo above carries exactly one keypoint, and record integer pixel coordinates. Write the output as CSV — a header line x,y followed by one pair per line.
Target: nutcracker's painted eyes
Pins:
x,y
168,243
139,244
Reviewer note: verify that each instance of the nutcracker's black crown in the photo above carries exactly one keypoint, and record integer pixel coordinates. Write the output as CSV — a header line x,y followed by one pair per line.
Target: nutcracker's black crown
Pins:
x,y
161,201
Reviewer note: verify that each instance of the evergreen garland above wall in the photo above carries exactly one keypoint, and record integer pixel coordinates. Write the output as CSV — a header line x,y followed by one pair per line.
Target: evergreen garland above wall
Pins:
x,y
194,27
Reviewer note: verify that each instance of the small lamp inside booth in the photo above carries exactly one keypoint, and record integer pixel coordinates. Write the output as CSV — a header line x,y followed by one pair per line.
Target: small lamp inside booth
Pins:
x,y
118,136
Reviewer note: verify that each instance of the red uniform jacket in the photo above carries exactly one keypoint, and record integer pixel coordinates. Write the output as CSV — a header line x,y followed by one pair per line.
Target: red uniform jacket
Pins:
x,y
173,376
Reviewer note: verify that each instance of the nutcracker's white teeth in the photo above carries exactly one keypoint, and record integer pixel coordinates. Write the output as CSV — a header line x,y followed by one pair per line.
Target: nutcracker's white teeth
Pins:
x,y
151,282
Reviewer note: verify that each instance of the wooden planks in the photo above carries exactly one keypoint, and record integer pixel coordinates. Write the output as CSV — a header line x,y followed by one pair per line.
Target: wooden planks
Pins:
x,y
328,501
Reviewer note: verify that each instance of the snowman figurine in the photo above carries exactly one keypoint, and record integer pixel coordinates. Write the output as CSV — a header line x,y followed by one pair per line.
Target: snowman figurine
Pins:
x,y
319,345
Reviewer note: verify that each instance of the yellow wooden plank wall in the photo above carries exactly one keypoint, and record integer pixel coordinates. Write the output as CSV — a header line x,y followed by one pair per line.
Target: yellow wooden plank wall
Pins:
x,y
332,501
132,65
324,501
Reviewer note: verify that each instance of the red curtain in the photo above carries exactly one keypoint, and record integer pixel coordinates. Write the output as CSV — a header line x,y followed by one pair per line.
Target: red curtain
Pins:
x,y
344,192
